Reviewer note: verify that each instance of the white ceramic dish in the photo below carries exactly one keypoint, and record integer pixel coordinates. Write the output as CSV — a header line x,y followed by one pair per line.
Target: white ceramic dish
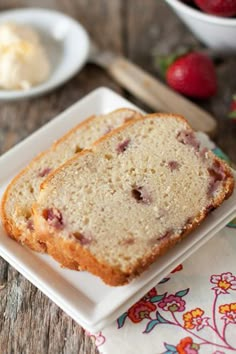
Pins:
x,y
66,43
81,295
218,33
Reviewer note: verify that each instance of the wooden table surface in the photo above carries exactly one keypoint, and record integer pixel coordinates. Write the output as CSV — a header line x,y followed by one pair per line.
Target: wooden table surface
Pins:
x,y
29,321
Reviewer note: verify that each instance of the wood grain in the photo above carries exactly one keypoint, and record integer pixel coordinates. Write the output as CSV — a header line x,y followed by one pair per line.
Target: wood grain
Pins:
x,y
29,322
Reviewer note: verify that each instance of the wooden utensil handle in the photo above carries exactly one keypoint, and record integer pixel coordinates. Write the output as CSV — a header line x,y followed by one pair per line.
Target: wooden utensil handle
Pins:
x,y
158,96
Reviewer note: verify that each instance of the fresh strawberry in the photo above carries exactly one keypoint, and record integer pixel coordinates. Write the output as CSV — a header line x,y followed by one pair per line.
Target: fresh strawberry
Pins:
x,y
192,74
225,8
232,113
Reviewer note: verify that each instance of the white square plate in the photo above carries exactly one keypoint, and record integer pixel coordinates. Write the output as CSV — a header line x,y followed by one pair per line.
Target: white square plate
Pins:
x,y
81,295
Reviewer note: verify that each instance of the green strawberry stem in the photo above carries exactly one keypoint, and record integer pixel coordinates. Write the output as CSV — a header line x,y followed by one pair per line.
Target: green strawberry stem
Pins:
x,y
164,62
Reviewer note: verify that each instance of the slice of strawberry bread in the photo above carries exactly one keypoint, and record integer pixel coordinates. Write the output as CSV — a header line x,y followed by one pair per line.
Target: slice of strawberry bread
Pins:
x,y
137,192
24,189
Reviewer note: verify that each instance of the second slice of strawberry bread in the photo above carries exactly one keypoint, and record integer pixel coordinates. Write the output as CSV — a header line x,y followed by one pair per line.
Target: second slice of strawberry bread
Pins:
x,y
137,192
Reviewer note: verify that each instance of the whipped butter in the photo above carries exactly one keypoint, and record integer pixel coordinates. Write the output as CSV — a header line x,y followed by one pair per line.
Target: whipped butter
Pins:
x,y
23,59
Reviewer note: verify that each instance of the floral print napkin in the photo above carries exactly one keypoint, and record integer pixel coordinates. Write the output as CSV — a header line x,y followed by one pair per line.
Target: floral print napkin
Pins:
x,y
191,311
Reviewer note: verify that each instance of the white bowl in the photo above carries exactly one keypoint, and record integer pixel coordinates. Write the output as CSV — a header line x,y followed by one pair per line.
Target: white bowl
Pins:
x,y
218,33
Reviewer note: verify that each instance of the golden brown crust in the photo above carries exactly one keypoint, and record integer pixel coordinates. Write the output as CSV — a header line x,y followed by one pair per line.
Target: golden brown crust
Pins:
x,y
88,120
69,253
68,250
12,230
8,223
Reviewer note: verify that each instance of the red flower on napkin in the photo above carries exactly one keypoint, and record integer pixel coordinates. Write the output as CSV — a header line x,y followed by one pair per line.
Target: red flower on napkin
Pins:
x,y
186,346
140,311
142,308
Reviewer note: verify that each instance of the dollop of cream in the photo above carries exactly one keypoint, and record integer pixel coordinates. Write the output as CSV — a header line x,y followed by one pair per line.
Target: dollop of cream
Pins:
x,y
23,59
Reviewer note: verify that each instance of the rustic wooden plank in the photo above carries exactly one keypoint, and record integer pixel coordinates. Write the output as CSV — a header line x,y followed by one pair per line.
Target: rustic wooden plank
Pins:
x,y
153,29
29,321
